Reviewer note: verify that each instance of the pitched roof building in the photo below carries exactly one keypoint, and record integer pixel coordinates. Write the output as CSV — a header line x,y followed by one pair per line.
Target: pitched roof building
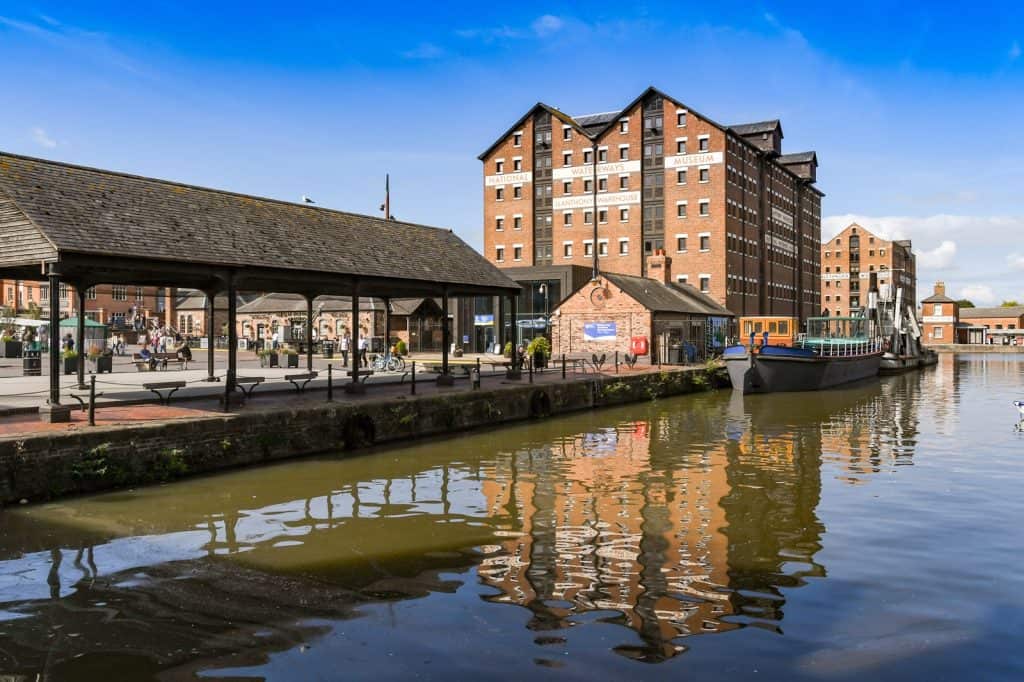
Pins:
x,y
741,220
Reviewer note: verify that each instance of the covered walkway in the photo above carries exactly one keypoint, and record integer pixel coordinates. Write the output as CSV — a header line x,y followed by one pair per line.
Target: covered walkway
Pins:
x,y
66,224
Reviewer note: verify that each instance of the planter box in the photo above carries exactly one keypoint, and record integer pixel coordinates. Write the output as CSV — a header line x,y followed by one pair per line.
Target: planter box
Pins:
x,y
70,365
273,360
12,349
293,360
104,363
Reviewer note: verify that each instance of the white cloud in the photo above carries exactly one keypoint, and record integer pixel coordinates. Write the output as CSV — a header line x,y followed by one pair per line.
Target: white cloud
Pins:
x,y
546,25
1014,51
40,137
979,294
938,258
937,226
424,51
1015,261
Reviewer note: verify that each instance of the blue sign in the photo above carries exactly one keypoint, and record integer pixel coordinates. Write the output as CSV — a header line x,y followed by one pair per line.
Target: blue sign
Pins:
x,y
599,331
480,320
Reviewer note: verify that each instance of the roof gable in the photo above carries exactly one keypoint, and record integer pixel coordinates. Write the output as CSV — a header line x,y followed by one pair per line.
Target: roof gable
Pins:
x,y
662,298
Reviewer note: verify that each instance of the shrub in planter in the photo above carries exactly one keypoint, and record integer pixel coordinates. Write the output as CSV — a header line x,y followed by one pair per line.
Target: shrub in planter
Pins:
x,y
540,350
70,361
292,356
263,354
508,349
400,348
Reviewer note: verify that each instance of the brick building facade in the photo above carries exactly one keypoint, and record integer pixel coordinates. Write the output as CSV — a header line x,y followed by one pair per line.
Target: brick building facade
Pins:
x,y
849,258
940,316
741,219
112,305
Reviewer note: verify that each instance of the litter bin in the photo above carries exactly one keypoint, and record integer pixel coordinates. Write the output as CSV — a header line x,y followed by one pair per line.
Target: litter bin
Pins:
x,y
32,363
327,347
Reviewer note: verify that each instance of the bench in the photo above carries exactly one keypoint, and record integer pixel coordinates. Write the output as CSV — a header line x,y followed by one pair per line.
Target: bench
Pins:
x,y
299,381
364,373
159,361
83,399
252,382
169,386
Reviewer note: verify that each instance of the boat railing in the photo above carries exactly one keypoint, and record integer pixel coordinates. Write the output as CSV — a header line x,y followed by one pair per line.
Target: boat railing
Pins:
x,y
830,349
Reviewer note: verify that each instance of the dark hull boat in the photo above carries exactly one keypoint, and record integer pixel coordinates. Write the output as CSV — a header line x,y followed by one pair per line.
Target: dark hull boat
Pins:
x,y
781,369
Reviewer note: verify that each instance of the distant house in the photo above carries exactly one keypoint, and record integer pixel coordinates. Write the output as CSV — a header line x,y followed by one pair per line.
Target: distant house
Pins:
x,y
662,320
994,325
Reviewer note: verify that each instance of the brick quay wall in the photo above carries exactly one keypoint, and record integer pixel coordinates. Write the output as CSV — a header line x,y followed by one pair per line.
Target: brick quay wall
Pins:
x,y
51,465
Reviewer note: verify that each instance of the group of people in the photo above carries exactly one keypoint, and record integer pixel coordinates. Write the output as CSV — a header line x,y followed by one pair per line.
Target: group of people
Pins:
x,y
362,347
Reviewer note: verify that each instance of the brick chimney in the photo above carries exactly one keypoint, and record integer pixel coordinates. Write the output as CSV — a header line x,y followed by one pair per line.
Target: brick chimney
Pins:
x,y
659,267
940,288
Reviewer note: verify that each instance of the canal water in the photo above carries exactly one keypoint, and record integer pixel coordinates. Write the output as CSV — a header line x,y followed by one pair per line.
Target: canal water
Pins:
x,y
867,533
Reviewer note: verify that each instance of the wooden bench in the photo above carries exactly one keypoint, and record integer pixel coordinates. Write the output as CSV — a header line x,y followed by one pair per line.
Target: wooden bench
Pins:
x,y
299,381
364,373
252,382
169,386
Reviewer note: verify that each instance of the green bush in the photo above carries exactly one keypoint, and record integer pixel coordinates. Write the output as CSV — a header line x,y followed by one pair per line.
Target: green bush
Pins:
x,y
508,349
289,351
69,354
539,343
401,348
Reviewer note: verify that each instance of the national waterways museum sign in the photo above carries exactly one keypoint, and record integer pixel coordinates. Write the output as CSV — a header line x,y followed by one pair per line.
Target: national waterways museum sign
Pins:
x,y
587,171
684,160
508,179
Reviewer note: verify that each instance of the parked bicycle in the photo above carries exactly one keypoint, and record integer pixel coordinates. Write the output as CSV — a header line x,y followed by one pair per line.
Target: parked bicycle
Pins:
x,y
388,362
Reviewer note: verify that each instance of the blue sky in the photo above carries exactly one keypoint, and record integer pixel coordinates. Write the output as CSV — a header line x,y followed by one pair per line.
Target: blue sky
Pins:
x,y
916,112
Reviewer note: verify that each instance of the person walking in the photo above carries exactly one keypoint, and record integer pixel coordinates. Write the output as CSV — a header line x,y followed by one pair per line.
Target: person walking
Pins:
x,y
364,345
345,342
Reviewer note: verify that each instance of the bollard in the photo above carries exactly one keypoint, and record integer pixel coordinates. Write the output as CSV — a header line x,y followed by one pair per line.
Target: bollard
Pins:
x,y
616,362
476,376
330,382
92,400
563,365
412,384
530,367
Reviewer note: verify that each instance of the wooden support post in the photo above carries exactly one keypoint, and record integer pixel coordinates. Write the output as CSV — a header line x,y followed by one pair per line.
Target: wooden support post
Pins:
x,y
616,362
412,384
355,386
211,334
309,333
563,365
445,378
80,332
53,411
387,326
232,373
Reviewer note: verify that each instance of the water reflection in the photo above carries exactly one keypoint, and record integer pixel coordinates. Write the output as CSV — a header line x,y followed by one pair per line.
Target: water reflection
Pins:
x,y
684,517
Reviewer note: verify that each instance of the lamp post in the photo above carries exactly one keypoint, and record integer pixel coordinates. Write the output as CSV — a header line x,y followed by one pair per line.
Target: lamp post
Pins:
x,y
543,288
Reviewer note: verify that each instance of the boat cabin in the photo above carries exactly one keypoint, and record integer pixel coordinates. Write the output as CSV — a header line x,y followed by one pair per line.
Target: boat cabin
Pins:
x,y
781,330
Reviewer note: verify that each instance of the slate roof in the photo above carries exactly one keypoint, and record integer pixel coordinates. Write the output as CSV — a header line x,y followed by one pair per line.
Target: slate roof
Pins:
x,y
191,299
975,313
590,120
757,127
670,298
938,298
93,211
799,157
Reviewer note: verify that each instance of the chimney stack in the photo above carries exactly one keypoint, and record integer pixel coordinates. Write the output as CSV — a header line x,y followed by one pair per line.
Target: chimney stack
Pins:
x,y
659,267
940,288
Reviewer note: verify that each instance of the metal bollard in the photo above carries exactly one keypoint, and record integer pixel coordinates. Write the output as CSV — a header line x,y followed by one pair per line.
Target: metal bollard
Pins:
x,y
476,376
530,366
412,384
330,382
616,362
563,365
92,400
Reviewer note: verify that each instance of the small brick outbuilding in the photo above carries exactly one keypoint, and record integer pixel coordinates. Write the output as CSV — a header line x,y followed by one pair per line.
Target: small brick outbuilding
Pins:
x,y
653,316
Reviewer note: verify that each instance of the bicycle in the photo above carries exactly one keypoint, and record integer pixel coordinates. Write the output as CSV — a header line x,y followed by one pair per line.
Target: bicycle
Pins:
x,y
388,362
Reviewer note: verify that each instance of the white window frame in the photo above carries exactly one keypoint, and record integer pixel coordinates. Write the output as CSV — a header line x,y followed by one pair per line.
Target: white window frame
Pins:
x,y
518,186
685,141
702,138
623,126
516,216
686,211
499,223
700,236
683,279
685,114
700,169
623,242
685,174
566,159
520,247
703,276
621,209
600,210
588,243
566,132
602,242
568,255
517,138
623,176
517,160
682,235
499,253
700,204
499,166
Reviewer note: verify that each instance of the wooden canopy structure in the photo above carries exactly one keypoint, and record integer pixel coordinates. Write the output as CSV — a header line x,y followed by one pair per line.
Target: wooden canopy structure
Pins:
x,y
85,226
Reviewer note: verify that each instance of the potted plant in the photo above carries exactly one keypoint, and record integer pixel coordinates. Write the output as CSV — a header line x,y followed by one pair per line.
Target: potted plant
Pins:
x,y
539,350
508,349
292,357
70,361
400,348
262,354
11,346
100,361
